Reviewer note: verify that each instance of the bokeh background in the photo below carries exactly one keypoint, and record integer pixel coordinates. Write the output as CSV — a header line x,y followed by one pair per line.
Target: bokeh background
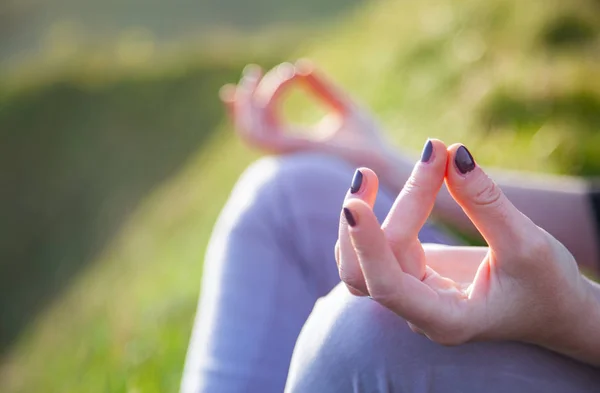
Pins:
x,y
116,156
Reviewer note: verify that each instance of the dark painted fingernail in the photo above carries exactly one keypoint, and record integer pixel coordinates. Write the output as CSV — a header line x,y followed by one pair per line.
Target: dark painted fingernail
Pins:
x,y
464,160
349,217
427,151
356,182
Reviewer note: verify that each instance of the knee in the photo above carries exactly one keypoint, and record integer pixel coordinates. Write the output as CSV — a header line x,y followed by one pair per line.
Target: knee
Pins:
x,y
304,174
290,187
346,342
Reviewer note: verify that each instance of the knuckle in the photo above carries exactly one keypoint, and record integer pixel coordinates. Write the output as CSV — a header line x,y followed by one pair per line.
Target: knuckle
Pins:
x,y
416,186
411,185
487,193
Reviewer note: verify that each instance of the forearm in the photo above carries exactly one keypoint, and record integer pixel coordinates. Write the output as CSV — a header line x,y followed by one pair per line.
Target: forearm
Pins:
x,y
560,205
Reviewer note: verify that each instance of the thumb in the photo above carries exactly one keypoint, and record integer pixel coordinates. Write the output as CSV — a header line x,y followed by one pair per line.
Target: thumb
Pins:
x,y
501,224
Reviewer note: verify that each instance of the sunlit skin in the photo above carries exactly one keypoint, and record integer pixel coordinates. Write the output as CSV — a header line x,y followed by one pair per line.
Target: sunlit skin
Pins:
x,y
515,290
348,131
525,287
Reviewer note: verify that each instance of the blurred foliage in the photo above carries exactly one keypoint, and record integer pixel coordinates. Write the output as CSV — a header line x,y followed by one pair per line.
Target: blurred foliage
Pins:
x,y
59,27
126,174
78,160
568,30
582,108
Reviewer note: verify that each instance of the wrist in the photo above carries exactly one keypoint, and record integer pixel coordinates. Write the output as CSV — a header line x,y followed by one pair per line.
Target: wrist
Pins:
x,y
576,332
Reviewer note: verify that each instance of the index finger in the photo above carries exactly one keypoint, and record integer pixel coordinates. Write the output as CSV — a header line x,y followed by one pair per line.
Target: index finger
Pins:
x,y
272,87
322,87
415,203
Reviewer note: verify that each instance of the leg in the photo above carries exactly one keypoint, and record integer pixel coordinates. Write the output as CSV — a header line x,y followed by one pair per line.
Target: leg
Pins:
x,y
352,344
269,259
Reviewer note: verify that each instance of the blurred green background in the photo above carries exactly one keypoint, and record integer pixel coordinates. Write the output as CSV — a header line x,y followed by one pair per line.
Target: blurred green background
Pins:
x,y
115,155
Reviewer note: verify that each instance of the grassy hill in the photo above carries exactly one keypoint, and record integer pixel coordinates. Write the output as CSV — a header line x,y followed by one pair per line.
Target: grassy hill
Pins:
x,y
51,30
151,157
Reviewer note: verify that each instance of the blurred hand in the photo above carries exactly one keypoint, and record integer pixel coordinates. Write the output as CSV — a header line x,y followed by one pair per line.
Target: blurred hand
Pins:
x,y
348,131
526,286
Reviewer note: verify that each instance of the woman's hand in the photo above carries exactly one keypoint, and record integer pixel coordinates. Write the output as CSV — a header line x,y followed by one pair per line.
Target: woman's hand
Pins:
x,y
349,131
525,287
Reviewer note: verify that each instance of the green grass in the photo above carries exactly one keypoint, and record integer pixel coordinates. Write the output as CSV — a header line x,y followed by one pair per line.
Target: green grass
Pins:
x,y
51,31
517,81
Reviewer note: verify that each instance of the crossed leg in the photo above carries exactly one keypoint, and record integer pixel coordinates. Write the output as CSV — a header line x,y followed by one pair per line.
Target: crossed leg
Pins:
x,y
269,260
351,344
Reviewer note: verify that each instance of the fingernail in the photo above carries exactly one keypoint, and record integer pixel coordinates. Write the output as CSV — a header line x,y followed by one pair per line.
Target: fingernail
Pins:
x,y
356,182
349,218
464,160
427,151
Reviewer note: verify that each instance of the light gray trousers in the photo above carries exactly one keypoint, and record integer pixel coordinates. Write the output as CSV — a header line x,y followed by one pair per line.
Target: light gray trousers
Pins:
x,y
270,259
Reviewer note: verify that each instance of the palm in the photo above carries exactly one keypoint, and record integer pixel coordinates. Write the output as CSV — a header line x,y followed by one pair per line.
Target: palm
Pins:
x,y
455,298
471,305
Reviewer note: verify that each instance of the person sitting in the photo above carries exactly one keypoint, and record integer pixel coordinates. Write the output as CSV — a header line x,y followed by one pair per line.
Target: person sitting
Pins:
x,y
303,284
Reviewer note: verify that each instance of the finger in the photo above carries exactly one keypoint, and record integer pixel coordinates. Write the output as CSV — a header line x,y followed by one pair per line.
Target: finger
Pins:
x,y
243,102
502,225
351,289
322,87
272,87
386,282
255,122
364,186
227,96
414,204
251,77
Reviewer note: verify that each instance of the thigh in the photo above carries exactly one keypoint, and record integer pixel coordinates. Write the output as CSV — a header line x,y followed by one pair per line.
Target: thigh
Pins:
x,y
271,256
352,344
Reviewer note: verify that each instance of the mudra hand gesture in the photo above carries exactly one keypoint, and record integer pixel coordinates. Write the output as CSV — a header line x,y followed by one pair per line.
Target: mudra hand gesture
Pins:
x,y
348,131
526,286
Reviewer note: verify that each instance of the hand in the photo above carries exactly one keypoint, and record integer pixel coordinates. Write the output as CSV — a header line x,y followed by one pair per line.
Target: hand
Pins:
x,y
525,287
348,131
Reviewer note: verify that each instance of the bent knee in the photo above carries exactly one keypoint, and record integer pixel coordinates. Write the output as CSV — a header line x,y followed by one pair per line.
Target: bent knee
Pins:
x,y
301,171
294,181
346,342
352,344
277,186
